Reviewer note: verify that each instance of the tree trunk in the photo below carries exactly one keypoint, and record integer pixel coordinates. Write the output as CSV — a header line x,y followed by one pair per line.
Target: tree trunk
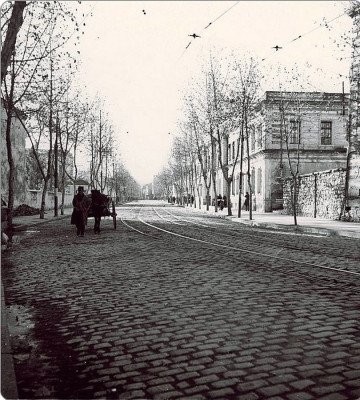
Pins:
x,y
207,198
16,21
228,191
43,196
294,199
248,172
11,178
241,173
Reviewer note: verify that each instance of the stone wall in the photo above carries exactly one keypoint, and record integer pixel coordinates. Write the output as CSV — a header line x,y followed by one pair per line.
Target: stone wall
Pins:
x,y
321,195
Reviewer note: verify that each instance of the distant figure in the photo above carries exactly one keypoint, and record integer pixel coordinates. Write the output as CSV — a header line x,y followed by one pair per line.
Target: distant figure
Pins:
x,y
221,204
219,199
246,204
192,199
81,204
225,201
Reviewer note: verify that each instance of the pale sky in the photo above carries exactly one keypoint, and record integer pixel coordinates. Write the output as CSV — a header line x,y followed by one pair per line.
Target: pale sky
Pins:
x,y
137,64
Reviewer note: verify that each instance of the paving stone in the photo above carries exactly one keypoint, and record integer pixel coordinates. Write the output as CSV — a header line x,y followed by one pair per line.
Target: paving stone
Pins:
x,y
222,383
273,390
352,374
168,395
234,373
334,396
248,386
173,371
206,379
282,378
220,393
247,396
300,396
196,389
154,390
322,390
302,384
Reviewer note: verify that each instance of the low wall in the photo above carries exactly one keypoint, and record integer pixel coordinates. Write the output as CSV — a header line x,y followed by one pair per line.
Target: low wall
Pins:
x,y
33,199
321,194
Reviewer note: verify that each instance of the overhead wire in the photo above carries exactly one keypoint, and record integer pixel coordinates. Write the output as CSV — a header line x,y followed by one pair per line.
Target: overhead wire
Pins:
x,y
325,24
321,25
210,24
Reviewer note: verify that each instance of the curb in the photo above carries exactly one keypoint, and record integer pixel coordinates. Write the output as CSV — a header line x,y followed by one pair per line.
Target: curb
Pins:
x,y
323,231
298,228
22,227
8,379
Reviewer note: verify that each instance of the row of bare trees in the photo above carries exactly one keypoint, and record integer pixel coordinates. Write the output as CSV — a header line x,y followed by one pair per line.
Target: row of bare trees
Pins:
x,y
65,129
222,101
36,75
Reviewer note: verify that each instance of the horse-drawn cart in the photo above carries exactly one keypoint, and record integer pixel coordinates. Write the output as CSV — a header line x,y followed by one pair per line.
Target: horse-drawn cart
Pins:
x,y
101,206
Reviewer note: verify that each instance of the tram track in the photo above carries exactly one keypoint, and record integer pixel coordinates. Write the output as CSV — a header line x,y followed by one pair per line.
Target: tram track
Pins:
x,y
258,234
249,255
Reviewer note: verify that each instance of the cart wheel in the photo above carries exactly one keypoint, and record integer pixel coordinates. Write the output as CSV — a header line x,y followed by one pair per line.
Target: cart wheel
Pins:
x,y
113,213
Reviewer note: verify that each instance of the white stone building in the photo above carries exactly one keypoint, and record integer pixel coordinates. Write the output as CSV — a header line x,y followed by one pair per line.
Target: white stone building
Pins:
x,y
310,131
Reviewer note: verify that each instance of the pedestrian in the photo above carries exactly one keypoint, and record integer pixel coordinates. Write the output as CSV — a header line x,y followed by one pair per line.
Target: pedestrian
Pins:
x,y
221,204
225,201
219,198
192,199
81,204
246,203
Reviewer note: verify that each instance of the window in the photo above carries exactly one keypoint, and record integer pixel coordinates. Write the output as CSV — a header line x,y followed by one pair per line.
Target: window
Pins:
x,y
259,180
294,135
275,130
252,179
260,136
326,132
252,139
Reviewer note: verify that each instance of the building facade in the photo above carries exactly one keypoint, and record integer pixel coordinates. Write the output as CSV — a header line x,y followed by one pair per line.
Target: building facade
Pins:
x,y
302,131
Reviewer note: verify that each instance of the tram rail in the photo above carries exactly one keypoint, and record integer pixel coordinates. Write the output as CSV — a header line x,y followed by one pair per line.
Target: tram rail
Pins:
x,y
255,253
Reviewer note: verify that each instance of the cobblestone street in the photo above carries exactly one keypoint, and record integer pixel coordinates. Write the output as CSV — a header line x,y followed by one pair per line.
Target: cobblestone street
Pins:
x,y
213,311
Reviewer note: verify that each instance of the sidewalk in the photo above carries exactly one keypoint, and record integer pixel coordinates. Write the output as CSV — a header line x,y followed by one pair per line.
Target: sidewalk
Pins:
x,y
275,221
23,222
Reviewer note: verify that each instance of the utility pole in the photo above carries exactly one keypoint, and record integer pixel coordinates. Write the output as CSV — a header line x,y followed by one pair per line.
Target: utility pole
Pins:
x,y
352,179
56,183
100,157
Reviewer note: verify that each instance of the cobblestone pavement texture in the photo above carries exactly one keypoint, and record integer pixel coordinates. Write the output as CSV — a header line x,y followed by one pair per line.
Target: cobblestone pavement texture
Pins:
x,y
130,316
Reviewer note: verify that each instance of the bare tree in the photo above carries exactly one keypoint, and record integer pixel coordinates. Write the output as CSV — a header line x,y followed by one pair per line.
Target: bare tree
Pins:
x,y
12,27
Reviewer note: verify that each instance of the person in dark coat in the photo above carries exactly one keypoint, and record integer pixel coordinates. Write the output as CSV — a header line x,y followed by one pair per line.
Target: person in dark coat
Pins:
x,y
246,203
225,201
81,205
